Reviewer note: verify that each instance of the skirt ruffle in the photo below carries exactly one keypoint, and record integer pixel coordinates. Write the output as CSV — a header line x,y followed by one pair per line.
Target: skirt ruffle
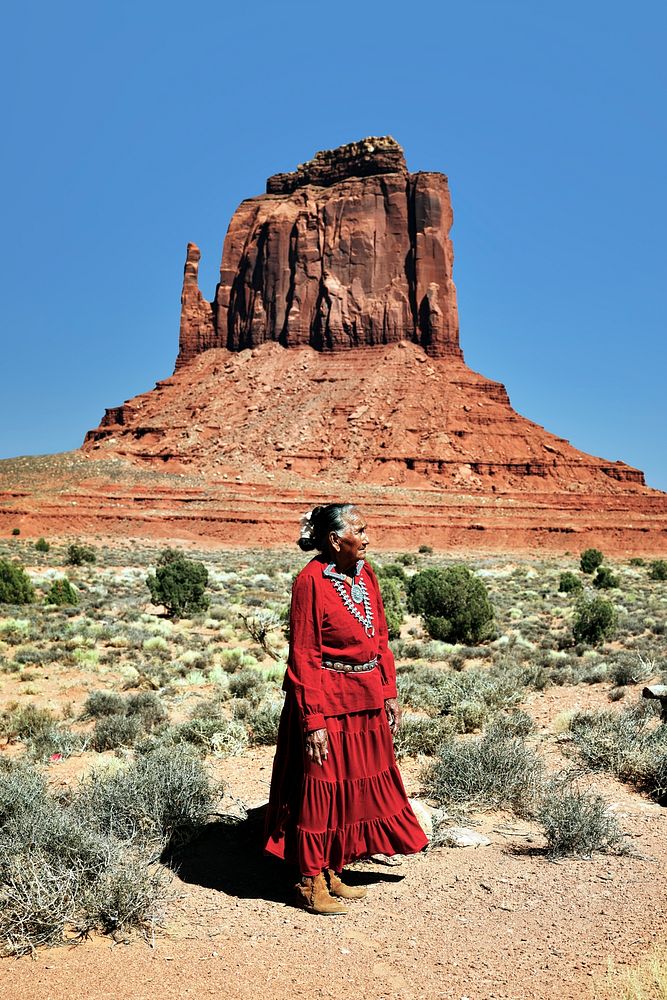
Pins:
x,y
352,806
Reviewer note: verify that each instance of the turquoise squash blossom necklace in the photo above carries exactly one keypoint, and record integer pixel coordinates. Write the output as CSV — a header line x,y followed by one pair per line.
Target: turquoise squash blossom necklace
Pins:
x,y
358,593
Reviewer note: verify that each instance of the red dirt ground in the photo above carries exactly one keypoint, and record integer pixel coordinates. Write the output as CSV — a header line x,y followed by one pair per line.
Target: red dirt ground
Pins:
x,y
493,923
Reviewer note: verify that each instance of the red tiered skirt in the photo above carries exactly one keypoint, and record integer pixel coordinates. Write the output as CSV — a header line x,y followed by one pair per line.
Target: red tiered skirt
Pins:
x,y
352,806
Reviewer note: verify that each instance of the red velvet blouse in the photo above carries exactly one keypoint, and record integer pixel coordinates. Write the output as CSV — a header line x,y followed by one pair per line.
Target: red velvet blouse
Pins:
x,y
322,628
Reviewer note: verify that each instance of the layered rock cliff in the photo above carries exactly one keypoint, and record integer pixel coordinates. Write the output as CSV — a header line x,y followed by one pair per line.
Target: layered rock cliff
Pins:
x,y
348,251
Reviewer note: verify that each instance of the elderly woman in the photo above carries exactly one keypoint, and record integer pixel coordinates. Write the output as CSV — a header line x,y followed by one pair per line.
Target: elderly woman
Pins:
x,y
336,791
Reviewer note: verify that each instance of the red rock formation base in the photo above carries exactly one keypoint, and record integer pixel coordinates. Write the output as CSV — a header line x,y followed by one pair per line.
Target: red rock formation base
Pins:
x,y
235,446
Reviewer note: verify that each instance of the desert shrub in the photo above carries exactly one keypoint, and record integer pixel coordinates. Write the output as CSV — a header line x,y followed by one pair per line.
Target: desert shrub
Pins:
x,y
58,877
590,560
630,670
576,821
604,579
260,626
61,592
658,569
112,731
391,571
162,799
179,584
27,722
407,558
15,585
569,583
41,545
262,725
101,703
469,697
594,620
518,724
489,771
78,554
226,737
425,550
148,707
56,740
453,602
425,736
394,604
629,744
16,532
248,684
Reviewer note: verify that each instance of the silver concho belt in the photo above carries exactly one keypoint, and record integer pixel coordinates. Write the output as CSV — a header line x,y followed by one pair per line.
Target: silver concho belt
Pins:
x,y
350,668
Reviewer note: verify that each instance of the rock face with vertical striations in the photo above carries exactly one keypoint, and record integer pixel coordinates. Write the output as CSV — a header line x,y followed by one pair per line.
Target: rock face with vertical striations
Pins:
x,y
348,251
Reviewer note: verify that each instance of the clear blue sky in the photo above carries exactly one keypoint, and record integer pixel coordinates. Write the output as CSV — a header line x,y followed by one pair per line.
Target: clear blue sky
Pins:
x,y
131,128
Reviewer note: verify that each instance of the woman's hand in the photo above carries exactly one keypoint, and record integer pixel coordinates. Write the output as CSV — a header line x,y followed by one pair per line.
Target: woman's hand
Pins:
x,y
317,746
393,710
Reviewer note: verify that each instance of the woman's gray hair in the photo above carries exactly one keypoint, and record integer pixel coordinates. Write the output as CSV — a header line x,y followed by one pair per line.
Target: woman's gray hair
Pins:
x,y
318,523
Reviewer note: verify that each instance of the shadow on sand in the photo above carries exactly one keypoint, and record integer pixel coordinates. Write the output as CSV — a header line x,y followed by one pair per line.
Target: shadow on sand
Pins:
x,y
228,856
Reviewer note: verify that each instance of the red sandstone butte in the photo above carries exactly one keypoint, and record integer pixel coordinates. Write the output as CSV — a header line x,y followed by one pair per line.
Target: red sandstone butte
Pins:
x,y
328,365
348,251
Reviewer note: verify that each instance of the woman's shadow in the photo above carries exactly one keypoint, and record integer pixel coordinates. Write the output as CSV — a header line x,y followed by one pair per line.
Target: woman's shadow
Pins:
x,y
228,856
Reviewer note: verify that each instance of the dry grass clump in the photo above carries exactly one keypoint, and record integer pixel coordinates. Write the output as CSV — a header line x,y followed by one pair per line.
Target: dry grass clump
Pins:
x,y
647,980
491,771
42,734
469,697
418,735
631,744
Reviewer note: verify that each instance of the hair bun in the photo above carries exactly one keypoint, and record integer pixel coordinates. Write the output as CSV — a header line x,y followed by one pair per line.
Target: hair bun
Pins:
x,y
306,540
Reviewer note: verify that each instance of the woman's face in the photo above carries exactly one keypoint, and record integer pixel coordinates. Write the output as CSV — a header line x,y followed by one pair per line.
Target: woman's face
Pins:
x,y
350,544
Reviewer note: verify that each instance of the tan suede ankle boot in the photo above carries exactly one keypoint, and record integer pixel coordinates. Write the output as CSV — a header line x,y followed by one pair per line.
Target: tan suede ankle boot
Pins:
x,y
313,895
338,888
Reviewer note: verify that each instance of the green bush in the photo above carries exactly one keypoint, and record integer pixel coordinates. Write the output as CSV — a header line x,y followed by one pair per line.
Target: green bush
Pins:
x,y
78,554
426,550
27,722
148,707
262,724
16,532
392,571
407,558
604,579
626,670
594,620
569,583
394,606
15,585
41,545
61,592
179,584
590,560
227,737
658,569
453,602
